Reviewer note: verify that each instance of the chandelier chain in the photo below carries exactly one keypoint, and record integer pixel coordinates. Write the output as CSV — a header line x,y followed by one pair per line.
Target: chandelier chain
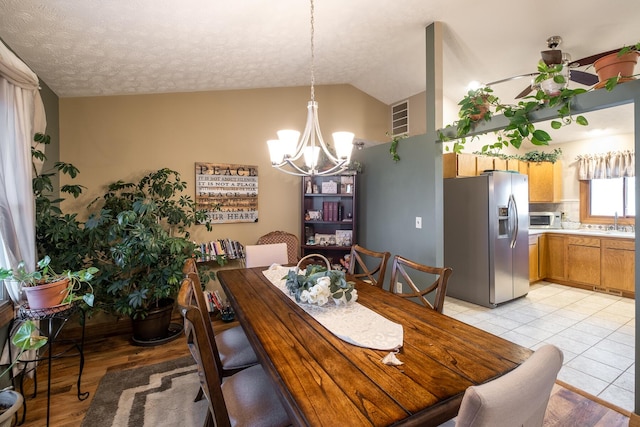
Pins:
x,y
313,57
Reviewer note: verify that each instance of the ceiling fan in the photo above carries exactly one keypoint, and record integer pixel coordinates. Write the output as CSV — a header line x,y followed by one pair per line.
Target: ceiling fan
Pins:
x,y
556,56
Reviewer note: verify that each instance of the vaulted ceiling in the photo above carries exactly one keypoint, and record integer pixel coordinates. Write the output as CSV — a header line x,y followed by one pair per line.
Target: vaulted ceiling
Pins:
x,y
87,48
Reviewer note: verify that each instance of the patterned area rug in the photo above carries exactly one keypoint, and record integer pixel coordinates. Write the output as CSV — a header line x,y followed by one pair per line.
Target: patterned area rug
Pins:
x,y
155,395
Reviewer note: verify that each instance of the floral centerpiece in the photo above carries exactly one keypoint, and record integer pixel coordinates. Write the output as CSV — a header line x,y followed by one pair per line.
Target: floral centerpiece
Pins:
x,y
318,284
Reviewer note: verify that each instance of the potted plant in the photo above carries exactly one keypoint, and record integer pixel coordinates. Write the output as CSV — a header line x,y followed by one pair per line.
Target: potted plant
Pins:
x,y
139,239
616,67
45,288
24,339
520,127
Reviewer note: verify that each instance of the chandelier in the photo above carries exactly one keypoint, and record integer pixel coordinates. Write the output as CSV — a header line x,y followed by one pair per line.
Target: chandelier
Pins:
x,y
286,151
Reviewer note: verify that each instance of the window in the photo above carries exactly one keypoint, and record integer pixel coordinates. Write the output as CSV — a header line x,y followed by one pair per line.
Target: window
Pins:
x,y
602,199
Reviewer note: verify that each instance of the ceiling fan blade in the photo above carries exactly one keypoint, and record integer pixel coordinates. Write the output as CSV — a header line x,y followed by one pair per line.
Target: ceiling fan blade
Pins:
x,y
524,93
551,57
591,59
519,76
581,77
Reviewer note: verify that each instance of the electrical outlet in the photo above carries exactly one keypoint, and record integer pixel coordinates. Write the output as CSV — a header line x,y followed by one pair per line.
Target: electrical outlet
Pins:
x,y
398,287
418,222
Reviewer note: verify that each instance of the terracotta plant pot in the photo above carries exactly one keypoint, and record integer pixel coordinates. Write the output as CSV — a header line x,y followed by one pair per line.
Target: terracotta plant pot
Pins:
x,y
47,295
613,65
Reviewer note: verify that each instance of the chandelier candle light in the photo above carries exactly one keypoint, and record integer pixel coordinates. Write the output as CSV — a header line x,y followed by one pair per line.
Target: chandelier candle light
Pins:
x,y
286,150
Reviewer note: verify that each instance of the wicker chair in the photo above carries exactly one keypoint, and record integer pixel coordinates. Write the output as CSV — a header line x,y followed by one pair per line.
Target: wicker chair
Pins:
x,y
293,244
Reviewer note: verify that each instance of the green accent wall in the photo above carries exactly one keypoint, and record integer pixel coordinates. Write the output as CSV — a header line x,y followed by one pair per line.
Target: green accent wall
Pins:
x,y
392,195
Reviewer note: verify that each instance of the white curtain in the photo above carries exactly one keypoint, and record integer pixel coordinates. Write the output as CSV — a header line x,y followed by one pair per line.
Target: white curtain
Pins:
x,y
21,116
614,164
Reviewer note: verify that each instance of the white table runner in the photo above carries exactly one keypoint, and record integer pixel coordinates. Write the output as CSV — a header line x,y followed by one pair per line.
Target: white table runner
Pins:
x,y
353,323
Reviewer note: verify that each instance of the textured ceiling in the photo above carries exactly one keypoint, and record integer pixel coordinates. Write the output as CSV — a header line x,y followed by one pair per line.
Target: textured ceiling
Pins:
x,y
92,47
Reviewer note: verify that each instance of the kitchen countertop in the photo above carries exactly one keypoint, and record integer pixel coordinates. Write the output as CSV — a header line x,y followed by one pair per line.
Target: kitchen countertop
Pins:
x,y
586,232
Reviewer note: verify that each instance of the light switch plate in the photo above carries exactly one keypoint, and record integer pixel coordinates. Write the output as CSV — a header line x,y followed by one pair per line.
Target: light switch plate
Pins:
x,y
418,222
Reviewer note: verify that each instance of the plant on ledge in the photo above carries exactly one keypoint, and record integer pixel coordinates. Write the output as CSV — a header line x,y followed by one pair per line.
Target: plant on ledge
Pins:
x,y
139,239
520,127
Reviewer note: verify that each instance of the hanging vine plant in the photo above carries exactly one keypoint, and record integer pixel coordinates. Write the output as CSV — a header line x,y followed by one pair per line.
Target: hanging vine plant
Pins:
x,y
393,149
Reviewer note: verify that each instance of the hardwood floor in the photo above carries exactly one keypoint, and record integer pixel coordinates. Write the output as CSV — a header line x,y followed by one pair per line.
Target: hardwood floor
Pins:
x,y
566,408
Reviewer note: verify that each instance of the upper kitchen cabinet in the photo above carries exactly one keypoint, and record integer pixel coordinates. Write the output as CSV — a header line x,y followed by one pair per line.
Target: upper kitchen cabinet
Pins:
x,y
545,182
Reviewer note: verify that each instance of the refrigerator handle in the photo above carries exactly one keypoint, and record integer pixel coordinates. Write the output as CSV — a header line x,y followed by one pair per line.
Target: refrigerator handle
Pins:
x,y
513,220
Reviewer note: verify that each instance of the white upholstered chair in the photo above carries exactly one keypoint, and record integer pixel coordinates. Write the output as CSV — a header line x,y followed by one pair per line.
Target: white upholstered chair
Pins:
x,y
265,255
516,399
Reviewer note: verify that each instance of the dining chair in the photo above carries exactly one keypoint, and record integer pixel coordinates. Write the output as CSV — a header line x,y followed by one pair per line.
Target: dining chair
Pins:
x,y
233,350
359,262
265,255
399,274
519,398
246,398
291,240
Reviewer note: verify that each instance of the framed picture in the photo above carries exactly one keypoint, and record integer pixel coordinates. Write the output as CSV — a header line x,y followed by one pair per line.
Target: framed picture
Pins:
x,y
315,216
346,184
344,237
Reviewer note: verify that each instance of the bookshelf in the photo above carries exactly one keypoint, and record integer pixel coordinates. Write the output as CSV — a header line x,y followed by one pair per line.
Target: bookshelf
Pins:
x,y
329,215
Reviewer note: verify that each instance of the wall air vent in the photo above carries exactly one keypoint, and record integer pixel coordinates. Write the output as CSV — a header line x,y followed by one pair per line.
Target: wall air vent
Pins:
x,y
400,118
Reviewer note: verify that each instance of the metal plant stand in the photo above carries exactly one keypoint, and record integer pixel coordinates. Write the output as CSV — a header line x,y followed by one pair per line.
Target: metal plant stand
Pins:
x,y
52,322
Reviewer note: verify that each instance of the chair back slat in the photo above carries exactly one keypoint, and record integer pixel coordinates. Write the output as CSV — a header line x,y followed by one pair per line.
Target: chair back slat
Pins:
x,y
399,273
361,260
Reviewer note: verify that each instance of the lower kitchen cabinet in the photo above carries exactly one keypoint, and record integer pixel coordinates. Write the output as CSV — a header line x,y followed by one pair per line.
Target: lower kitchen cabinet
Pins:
x,y
583,260
534,271
587,262
618,265
555,250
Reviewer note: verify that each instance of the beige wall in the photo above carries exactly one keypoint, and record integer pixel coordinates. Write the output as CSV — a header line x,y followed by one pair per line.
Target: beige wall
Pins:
x,y
122,137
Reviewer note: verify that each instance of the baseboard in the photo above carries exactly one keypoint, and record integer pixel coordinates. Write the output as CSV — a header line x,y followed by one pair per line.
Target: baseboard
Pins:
x,y
634,420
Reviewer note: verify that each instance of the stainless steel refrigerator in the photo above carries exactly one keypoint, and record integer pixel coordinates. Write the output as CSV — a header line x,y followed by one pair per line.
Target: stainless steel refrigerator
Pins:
x,y
486,237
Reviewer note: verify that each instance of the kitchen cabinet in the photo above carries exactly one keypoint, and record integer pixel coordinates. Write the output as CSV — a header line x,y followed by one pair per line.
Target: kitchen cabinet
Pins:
x,y
329,215
587,262
545,182
484,163
555,257
534,274
618,265
583,260
459,164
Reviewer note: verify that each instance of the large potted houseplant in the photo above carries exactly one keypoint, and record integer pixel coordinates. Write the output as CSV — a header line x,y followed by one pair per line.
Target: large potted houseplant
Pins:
x,y
139,239
59,235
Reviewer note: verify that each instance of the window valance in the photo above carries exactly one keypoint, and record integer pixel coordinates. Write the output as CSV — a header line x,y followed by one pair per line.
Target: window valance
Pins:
x,y
614,164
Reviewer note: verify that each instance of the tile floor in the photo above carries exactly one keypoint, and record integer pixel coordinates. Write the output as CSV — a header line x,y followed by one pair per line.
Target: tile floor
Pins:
x,y
595,331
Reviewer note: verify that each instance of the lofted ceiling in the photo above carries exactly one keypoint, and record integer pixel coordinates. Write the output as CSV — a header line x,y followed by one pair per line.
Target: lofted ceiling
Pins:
x,y
92,48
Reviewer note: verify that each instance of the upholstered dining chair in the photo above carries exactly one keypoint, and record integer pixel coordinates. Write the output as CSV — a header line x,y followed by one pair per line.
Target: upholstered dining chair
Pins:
x,y
293,244
362,258
265,255
519,398
400,274
233,352
246,398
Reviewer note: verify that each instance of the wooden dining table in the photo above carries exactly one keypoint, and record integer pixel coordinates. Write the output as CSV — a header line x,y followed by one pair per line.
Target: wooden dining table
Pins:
x,y
325,381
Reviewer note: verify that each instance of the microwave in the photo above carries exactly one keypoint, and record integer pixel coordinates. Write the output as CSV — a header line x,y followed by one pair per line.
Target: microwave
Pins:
x,y
545,219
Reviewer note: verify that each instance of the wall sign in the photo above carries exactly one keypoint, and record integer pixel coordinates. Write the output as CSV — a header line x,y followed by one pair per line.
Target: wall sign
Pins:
x,y
233,187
